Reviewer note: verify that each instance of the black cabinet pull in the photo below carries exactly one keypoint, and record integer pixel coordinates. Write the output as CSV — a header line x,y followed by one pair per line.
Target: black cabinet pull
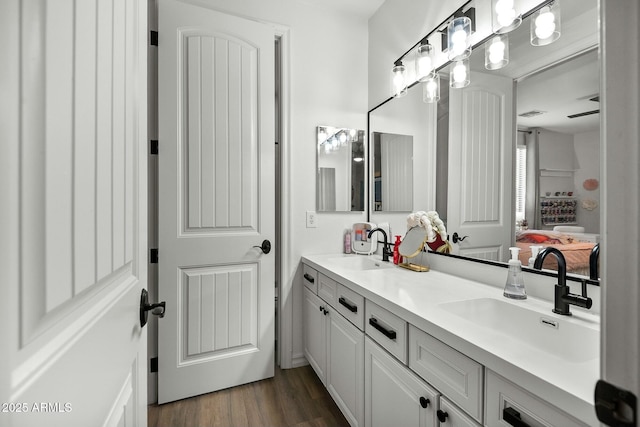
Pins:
x,y
351,307
424,402
512,417
309,278
442,416
391,334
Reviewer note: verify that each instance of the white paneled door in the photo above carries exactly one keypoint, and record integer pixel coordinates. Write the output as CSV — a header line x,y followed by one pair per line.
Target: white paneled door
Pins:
x,y
481,158
216,200
73,183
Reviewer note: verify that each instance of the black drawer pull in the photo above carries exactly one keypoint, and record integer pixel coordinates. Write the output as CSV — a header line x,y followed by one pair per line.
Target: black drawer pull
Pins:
x,y
391,334
442,415
309,277
512,417
351,307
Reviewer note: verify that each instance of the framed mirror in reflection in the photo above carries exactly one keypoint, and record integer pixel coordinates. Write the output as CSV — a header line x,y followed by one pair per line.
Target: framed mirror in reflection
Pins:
x,y
340,180
392,172
514,147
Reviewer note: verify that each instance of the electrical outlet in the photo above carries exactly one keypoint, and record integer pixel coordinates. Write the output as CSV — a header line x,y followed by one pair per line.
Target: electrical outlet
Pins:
x,y
312,219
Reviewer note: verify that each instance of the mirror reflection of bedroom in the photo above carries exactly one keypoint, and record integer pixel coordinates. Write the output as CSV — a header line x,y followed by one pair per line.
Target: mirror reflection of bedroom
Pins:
x,y
557,162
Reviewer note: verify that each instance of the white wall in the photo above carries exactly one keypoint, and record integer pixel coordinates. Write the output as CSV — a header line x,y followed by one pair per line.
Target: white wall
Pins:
x,y
587,151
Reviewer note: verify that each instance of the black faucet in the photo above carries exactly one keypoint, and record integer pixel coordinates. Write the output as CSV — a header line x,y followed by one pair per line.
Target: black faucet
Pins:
x,y
593,262
385,245
562,295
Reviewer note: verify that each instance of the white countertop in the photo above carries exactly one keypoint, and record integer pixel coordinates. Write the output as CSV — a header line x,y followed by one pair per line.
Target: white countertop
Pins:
x,y
417,297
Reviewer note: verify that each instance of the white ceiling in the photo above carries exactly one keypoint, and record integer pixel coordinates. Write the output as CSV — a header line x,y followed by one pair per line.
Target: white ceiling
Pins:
x,y
362,8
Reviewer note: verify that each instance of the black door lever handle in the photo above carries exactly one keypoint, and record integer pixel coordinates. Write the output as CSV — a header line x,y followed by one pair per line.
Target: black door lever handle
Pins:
x,y
156,309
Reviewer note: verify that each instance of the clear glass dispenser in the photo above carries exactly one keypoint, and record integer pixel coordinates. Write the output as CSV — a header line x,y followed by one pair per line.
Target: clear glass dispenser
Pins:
x,y
514,288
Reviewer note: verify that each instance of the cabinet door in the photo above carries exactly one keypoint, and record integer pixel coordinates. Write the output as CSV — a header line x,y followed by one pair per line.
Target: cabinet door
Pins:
x,y
450,416
395,396
345,367
315,331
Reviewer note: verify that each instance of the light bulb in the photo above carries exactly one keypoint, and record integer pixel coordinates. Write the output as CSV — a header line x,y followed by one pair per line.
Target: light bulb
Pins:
x,y
459,73
459,76
545,24
459,41
496,52
505,12
343,138
431,89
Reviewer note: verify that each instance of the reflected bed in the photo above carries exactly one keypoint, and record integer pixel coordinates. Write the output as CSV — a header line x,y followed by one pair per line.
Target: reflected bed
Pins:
x,y
576,248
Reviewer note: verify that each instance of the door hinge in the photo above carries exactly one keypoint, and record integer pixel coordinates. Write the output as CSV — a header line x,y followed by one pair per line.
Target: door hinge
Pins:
x,y
153,364
153,256
153,146
615,406
153,38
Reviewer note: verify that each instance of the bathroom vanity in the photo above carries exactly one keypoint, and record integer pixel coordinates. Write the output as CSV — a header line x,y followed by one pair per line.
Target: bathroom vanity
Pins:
x,y
395,347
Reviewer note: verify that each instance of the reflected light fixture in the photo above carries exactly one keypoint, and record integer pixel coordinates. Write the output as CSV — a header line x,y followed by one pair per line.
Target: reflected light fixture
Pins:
x,y
398,79
459,38
504,18
424,60
459,77
431,89
545,24
496,54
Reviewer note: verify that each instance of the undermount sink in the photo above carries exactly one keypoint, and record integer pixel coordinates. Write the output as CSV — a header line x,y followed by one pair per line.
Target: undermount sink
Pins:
x,y
360,262
555,336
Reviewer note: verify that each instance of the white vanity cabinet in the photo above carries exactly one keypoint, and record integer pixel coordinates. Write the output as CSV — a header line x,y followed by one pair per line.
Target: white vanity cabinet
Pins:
x,y
335,349
383,368
395,396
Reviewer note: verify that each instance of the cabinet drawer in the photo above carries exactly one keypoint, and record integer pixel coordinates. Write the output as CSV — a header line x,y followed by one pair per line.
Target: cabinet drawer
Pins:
x,y
327,289
310,278
454,417
505,400
386,329
454,374
351,305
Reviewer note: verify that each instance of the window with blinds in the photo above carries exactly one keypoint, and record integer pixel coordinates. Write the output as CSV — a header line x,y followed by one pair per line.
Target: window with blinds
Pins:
x,y
521,181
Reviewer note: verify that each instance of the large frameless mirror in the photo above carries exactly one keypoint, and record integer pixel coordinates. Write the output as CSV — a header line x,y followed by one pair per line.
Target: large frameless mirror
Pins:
x,y
340,180
518,148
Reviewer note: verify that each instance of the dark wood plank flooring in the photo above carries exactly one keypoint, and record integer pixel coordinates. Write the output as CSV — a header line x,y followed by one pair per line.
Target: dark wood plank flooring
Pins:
x,y
294,397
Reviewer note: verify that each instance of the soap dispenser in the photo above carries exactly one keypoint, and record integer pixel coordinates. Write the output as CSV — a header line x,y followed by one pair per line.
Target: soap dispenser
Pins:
x,y
514,288
534,254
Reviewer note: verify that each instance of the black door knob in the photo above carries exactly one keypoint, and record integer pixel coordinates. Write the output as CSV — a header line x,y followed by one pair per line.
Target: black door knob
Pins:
x,y
265,247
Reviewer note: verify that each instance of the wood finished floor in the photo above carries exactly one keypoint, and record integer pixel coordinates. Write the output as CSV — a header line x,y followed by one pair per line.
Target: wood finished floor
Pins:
x,y
294,397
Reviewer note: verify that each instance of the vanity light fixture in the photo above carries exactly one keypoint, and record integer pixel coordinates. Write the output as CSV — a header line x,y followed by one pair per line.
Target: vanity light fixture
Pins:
x,y
398,79
431,89
459,77
496,54
545,24
504,18
424,60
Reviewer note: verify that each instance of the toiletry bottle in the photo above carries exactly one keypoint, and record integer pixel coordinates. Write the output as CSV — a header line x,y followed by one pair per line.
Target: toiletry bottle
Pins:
x,y
347,241
514,288
396,253
534,254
